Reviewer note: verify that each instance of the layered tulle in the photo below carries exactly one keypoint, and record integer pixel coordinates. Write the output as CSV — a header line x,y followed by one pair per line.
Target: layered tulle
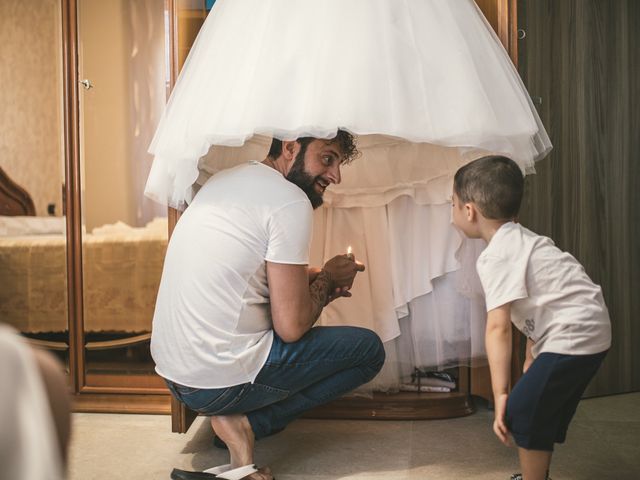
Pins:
x,y
419,291
387,169
418,71
426,87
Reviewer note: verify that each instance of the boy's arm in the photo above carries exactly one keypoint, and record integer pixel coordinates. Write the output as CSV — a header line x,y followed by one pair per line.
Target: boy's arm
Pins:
x,y
498,344
528,357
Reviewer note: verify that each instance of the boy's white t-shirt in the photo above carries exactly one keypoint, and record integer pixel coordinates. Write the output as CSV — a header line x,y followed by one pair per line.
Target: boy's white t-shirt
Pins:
x,y
555,303
212,324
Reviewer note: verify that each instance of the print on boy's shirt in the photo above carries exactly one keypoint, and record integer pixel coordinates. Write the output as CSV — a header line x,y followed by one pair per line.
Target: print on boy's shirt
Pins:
x,y
529,327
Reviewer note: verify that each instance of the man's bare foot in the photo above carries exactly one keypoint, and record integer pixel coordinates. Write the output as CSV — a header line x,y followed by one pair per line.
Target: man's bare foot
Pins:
x,y
236,432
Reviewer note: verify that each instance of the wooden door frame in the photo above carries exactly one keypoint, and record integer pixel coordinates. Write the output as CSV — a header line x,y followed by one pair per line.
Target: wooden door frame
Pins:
x,y
502,15
105,397
181,416
73,192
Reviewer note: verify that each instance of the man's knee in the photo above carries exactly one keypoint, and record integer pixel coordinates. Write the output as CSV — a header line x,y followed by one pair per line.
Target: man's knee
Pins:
x,y
372,348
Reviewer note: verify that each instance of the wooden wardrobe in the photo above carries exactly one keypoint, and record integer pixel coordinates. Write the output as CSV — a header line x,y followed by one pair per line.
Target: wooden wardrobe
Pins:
x,y
502,14
578,59
110,369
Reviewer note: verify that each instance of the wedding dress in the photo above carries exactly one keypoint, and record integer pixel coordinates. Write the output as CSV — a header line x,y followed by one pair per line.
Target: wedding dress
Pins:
x,y
418,71
425,85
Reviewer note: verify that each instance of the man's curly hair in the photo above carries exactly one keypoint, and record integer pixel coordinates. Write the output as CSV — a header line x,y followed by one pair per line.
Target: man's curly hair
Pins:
x,y
345,141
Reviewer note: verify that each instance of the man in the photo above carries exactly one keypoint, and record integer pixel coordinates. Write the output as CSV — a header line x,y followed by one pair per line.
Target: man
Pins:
x,y
232,330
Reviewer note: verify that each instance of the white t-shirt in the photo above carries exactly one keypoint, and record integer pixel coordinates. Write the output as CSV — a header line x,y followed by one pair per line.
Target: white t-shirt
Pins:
x,y
212,324
555,303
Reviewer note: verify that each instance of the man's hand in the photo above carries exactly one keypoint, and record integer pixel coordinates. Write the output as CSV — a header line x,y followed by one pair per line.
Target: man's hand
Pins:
x,y
342,270
313,274
499,425
333,294
337,293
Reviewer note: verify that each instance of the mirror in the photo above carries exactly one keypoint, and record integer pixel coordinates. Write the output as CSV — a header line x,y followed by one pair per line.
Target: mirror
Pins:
x,y
33,262
123,66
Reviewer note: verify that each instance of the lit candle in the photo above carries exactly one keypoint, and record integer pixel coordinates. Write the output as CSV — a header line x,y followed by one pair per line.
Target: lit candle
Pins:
x,y
349,250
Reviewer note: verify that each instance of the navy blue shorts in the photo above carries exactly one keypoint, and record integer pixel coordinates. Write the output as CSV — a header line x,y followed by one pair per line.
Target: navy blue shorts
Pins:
x,y
544,400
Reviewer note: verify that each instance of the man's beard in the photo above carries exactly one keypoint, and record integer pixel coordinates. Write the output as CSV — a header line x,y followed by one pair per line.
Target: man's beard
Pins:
x,y
302,179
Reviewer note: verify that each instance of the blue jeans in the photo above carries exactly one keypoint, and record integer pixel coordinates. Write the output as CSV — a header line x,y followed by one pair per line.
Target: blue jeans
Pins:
x,y
324,364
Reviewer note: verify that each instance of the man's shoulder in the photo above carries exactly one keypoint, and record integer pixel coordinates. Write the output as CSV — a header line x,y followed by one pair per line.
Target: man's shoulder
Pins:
x,y
255,183
280,192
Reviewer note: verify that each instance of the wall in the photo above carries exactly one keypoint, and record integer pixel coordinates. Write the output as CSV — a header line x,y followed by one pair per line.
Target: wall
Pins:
x,y
104,113
31,99
581,57
122,54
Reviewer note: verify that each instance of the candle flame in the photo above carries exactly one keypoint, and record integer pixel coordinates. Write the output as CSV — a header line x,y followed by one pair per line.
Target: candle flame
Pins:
x,y
349,250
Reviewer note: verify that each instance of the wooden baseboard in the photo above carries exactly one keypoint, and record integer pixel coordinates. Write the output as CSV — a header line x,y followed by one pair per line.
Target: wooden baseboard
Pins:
x,y
380,406
397,406
122,403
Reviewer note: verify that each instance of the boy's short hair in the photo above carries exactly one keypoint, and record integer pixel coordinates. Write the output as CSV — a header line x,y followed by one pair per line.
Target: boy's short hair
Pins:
x,y
494,183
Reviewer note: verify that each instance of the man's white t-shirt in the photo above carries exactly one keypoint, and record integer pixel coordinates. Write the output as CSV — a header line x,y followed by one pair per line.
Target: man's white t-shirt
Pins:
x,y
555,303
212,324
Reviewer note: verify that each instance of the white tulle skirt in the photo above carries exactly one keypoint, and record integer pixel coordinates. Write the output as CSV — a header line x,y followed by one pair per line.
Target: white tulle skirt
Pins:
x,y
418,71
420,292
424,84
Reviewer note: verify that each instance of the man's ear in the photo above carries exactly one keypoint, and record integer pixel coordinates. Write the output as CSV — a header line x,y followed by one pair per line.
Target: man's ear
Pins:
x,y
290,149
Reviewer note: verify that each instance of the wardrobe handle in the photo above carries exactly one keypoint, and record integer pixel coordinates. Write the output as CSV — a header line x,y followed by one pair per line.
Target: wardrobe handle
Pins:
x,y
86,83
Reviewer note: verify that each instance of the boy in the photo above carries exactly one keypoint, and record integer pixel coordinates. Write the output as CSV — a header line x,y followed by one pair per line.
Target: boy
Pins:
x,y
547,295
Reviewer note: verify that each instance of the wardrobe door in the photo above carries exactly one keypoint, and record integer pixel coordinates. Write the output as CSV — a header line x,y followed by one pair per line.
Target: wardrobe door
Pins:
x,y
33,258
123,81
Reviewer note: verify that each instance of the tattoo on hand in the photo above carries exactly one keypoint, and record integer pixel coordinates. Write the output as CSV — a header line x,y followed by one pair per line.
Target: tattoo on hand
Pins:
x,y
319,290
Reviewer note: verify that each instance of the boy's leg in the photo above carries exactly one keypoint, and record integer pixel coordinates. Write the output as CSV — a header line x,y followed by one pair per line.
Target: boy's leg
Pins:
x,y
534,463
588,366
543,403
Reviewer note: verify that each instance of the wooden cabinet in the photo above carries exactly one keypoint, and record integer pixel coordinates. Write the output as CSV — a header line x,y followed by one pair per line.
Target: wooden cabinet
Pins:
x,y
85,96
118,52
502,15
114,71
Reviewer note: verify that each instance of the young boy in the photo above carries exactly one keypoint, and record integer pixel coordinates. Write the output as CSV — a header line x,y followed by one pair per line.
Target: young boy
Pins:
x,y
548,296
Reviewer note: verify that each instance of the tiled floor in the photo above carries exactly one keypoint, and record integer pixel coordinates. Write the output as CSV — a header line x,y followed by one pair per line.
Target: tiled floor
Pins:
x,y
603,443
